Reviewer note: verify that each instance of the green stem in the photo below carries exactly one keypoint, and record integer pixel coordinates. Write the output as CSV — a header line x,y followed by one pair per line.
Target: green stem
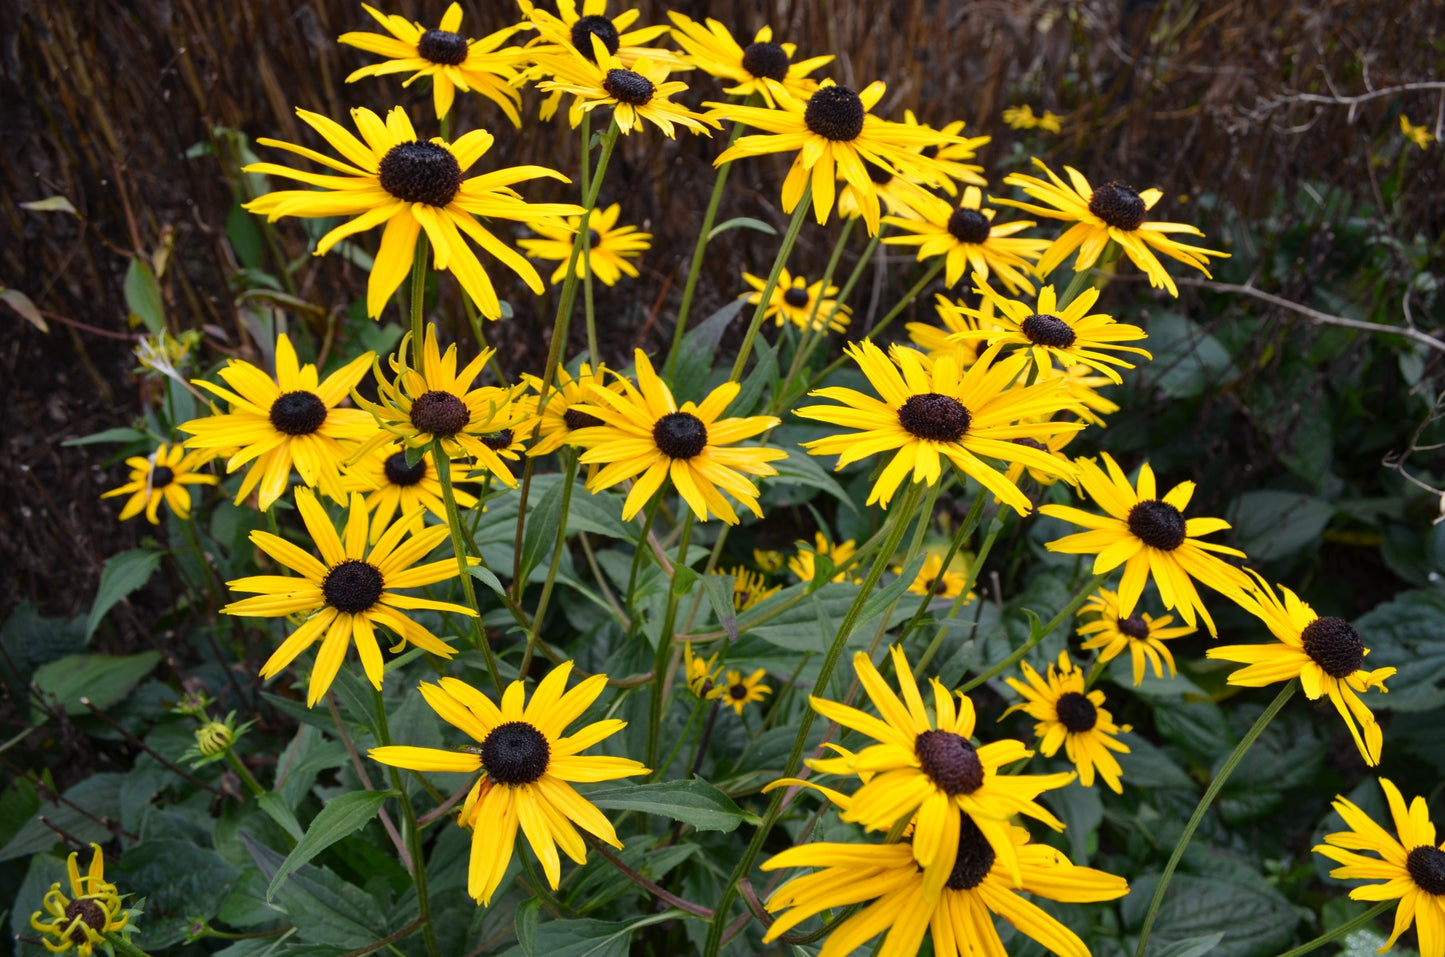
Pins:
x,y
794,226
649,513
454,525
1209,795
123,946
660,683
1038,634
816,328
247,777
1341,930
892,314
413,833
417,299
569,478
898,520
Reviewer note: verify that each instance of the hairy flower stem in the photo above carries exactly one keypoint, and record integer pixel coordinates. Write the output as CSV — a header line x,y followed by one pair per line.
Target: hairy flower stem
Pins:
x,y
454,524
569,479
649,514
805,202
123,946
658,700
1344,929
249,779
409,825
887,320
898,522
416,298
1037,634
1210,794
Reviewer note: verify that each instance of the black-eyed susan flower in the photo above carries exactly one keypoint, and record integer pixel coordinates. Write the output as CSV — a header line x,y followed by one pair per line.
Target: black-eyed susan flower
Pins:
x,y
342,596
700,673
1412,866
290,420
951,153
608,253
804,562
967,238
954,317
528,765
645,436
1110,632
633,93
926,765
1151,538
750,588
1419,135
768,560
737,692
1053,446
833,133
897,195
1071,717
1083,386
938,580
560,417
1024,118
1059,338
450,60
162,476
960,917
928,415
394,486
794,300
1324,652
83,918
390,176
443,403
759,68
1114,212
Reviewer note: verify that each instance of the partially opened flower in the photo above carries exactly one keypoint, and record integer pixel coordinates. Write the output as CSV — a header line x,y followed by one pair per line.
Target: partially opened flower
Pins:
x,y
952,154
633,94
1324,652
290,420
392,177
528,764
794,300
450,60
609,250
394,486
162,476
560,416
1111,632
966,237
954,317
1071,717
760,67
82,918
750,588
342,596
736,692
701,673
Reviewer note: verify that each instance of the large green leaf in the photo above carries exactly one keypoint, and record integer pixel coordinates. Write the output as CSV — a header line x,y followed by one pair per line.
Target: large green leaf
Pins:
x,y
588,938
143,296
341,817
1408,633
86,806
1270,525
123,574
1187,360
694,802
104,679
1256,919
179,881
325,909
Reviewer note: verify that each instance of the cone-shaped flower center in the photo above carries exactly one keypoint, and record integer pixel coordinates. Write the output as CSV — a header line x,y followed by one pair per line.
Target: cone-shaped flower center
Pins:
x,y
515,753
950,761
1134,627
418,172
930,415
443,46
1157,524
766,60
298,413
440,413
161,476
1334,645
352,587
968,225
595,26
1076,712
627,87
835,113
577,419
399,473
796,296
91,914
975,857
738,691
498,440
1047,331
1426,865
1119,206
680,435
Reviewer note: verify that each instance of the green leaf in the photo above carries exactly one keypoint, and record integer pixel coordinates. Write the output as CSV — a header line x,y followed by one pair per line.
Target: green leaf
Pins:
x,y
758,382
683,578
180,882
50,204
107,435
526,924
801,469
1082,811
1193,946
694,802
323,907
87,804
541,531
341,817
1269,525
1259,919
104,679
275,807
699,349
123,574
719,590
143,295
740,222
590,938
1408,633
1187,360
23,305
487,577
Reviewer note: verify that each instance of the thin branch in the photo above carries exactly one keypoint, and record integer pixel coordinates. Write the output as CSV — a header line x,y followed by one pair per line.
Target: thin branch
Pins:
x,y
137,742
360,768
387,941
666,897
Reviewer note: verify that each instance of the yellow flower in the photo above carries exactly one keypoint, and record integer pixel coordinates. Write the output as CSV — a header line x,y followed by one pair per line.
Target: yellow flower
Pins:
x,y
951,155
275,423
1150,537
1324,652
1082,385
1068,715
391,176
608,251
1113,211
927,415
159,477
955,317
636,93
767,560
527,769
804,564
760,67
736,691
933,579
1419,135
701,673
84,918
345,594
749,588
966,237
450,60
795,301
561,417
1023,118
1412,867
1143,634
646,436
394,487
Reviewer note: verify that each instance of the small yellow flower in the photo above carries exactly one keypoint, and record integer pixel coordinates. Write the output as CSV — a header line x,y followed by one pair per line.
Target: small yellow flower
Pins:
x,y
634,94
804,563
84,918
1067,715
1023,118
1144,635
805,306
1419,135
749,588
701,672
933,579
760,67
968,240
767,560
607,253
159,477
737,691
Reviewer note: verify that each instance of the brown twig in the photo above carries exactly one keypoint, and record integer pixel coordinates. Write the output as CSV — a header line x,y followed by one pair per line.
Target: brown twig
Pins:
x,y
360,768
666,897
386,941
186,775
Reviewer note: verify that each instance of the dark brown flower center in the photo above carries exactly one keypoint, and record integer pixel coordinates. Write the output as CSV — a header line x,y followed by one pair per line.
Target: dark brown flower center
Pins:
x,y
497,441
595,26
1034,444
1048,331
627,87
880,175
440,413
418,172
1426,865
1334,645
353,586
298,413
1076,712
975,856
766,60
738,691
443,46
90,913
577,419
969,225
1119,206
680,435
399,473
796,296
161,476
515,753
950,761
1157,524
930,415
1134,627
835,113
